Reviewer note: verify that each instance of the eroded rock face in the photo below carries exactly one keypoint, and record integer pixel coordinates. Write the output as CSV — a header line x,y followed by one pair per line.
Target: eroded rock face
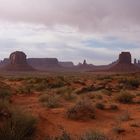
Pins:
x,y
44,63
125,58
18,62
18,58
124,64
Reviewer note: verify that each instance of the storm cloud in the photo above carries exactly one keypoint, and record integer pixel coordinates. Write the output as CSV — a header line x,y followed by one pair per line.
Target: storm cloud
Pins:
x,y
91,15
108,25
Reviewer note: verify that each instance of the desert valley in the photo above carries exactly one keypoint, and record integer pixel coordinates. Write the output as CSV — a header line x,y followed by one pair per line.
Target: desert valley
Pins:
x,y
69,69
61,101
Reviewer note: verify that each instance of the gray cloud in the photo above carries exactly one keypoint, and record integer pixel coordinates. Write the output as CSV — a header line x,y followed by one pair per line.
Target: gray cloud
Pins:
x,y
88,15
85,20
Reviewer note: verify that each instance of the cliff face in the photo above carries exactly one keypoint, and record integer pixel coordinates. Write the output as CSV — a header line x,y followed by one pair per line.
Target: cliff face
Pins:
x,y
18,62
124,64
17,58
37,63
43,63
66,64
125,58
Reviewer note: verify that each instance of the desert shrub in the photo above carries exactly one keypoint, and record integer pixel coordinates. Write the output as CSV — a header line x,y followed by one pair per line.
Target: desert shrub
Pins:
x,y
40,87
106,92
125,97
51,101
37,80
130,83
84,89
18,79
80,82
37,84
81,110
124,116
56,83
94,135
135,124
106,77
41,84
114,107
118,129
5,94
98,96
69,96
100,106
5,109
66,93
19,126
134,83
90,95
64,136
26,89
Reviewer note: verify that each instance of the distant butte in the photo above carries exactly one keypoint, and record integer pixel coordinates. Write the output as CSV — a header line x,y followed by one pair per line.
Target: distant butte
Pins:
x,y
124,63
18,62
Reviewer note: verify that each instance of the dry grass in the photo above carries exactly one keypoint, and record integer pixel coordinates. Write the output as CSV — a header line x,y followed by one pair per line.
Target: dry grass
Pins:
x,y
83,109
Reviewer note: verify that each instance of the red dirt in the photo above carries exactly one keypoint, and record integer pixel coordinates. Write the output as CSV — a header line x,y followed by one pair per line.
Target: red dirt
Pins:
x,y
52,120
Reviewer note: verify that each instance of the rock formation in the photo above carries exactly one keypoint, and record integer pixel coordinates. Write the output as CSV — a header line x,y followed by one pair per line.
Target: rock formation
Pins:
x,y
124,64
67,64
85,62
44,63
85,66
135,61
4,62
18,62
125,58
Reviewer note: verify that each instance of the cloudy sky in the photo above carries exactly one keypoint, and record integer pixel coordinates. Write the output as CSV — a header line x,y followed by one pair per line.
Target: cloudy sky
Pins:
x,y
71,30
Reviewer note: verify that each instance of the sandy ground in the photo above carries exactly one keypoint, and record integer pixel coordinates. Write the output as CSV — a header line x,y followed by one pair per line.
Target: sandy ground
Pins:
x,y
51,121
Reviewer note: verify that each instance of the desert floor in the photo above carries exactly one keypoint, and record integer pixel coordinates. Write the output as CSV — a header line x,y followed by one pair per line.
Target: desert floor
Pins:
x,y
77,103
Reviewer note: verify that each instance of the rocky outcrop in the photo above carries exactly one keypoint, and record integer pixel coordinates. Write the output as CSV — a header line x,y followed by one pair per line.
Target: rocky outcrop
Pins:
x,y
18,62
4,62
43,63
66,64
124,64
125,58
85,66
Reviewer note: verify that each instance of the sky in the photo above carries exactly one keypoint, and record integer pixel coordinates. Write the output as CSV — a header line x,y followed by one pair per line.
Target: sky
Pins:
x,y
95,30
